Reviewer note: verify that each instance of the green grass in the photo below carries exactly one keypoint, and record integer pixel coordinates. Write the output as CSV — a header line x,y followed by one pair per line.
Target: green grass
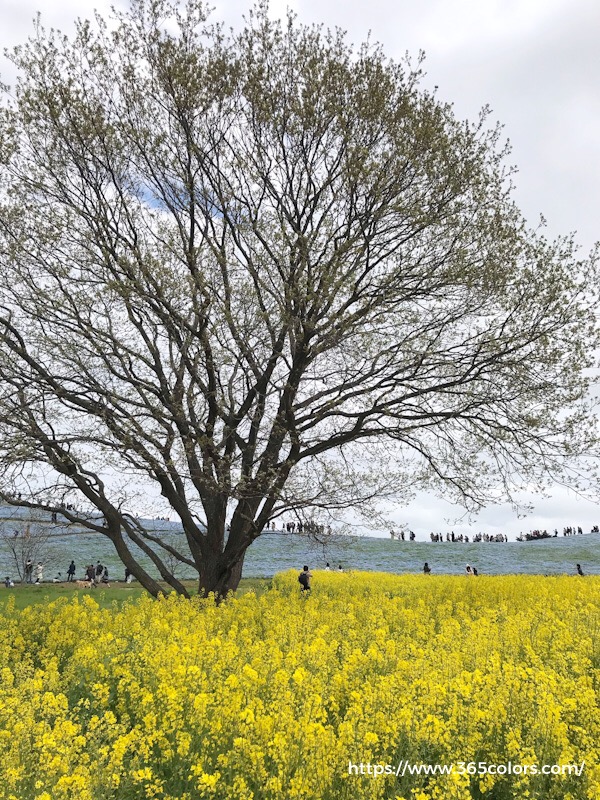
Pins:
x,y
32,594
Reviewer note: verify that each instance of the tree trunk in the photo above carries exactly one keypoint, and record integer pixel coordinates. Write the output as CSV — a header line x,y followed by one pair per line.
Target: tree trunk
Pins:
x,y
219,579
138,572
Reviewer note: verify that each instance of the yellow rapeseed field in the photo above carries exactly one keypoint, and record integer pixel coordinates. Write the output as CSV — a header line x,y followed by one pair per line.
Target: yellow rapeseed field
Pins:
x,y
284,696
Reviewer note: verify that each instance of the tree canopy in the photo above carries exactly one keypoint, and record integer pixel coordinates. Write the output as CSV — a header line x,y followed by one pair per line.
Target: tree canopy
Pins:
x,y
264,271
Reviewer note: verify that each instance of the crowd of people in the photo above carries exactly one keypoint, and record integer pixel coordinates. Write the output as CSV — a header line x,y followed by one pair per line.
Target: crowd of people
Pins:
x,y
570,531
498,537
463,538
298,527
544,534
408,535
93,574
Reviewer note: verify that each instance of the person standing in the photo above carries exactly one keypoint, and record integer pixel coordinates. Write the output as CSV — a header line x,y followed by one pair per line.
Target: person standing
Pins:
x,y
29,571
426,568
304,578
71,571
39,572
579,570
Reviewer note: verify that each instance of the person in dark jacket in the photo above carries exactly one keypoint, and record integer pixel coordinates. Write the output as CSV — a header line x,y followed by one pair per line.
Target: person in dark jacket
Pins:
x,y
304,579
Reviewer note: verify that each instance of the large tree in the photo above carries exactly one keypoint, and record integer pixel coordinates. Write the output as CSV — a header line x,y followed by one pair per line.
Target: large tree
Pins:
x,y
262,271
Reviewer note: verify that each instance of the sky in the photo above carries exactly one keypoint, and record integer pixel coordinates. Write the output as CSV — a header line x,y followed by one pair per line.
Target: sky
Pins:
x,y
535,63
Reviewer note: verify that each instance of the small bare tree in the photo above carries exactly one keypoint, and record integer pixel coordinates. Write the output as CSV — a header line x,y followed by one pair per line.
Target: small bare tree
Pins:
x,y
263,272
29,544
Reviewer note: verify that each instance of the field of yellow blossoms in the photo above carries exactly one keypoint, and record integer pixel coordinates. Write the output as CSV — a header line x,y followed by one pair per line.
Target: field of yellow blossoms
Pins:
x,y
274,697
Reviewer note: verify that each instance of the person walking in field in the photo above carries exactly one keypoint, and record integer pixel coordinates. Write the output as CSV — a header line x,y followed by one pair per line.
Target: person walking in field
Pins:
x,y
426,568
71,571
304,578
579,570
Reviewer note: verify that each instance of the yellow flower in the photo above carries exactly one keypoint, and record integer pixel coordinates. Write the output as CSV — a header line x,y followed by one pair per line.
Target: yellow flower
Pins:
x,y
269,696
